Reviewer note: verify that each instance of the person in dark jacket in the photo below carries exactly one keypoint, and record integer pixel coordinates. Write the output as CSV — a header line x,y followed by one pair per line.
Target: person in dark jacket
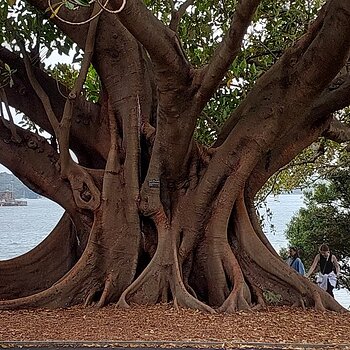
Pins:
x,y
329,269
294,261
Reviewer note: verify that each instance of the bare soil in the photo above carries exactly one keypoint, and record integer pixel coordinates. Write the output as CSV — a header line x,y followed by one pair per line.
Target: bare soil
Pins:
x,y
164,323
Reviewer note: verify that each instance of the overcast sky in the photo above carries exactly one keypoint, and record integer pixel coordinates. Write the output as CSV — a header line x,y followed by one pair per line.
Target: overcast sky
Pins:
x,y
3,169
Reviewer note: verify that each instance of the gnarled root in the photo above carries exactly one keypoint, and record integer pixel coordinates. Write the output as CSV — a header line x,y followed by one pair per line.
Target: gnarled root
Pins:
x,y
38,269
100,294
84,282
68,291
277,272
181,295
260,304
239,298
161,277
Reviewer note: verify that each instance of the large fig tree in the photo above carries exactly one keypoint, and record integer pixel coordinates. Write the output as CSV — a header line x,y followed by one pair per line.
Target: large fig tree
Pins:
x,y
153,212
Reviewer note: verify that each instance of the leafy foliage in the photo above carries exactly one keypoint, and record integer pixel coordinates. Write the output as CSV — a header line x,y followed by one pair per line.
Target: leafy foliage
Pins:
x,y
6,74
66,75
326,219
272,298
28,124
21,21
275,27
316,162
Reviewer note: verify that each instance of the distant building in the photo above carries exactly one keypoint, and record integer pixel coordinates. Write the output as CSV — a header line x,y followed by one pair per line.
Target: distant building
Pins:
x,y
7,199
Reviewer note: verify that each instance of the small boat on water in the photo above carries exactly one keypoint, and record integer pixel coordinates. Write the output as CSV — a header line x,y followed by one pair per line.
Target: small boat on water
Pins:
x,y
7,199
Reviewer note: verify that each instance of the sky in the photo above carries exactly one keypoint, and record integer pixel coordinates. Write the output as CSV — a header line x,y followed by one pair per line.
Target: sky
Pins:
x,y
3,169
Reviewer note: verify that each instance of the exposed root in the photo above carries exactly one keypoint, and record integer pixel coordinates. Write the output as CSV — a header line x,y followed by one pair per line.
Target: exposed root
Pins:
x,y
300,303
22,276
143,277
257,251
186,270
122,303
190,290
176,304
106,292
152,284
89,299
161,276
322,300
69,290
236,300
275,267
261,304
183,297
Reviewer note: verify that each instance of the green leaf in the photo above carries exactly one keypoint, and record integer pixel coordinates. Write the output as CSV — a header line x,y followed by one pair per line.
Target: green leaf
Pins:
x,y
55,12
69,5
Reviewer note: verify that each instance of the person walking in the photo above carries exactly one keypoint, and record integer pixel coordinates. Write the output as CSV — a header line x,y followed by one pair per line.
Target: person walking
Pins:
x,y
294,261
329,269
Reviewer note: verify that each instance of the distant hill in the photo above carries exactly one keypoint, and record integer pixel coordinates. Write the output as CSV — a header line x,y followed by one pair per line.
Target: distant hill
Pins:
x,y
10,182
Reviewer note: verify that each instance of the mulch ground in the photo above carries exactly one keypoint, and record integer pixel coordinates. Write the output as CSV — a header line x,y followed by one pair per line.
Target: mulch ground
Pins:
x,y
164,323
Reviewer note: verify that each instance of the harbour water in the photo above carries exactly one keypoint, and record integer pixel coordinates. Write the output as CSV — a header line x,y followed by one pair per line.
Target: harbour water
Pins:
x,y
22,228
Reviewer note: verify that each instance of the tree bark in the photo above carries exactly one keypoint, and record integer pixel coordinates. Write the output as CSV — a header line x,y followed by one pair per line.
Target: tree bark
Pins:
x,y
154,215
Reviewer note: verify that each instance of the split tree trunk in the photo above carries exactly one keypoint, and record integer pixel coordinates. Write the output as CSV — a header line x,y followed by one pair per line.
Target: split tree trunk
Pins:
x,y
154,216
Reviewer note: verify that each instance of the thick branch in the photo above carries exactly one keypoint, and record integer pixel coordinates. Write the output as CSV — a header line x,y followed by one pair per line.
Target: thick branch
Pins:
x,y
34,162
44,98
161,43
63,144
318,122
228,48
84,136
337,131
286,148
66,122
10,124
309,66
334,97
328,52
86,194
176,15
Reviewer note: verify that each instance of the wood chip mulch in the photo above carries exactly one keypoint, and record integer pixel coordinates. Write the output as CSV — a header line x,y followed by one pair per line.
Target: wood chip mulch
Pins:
x,y
164,323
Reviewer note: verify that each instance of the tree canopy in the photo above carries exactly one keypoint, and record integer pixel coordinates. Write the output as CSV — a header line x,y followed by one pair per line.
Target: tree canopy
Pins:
x,y
179,114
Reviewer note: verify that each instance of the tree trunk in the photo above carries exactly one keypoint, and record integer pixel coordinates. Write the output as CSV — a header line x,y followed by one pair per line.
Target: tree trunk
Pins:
x,y
151,215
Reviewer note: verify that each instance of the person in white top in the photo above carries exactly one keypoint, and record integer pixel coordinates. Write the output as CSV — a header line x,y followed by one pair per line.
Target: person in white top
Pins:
x,y
329,269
